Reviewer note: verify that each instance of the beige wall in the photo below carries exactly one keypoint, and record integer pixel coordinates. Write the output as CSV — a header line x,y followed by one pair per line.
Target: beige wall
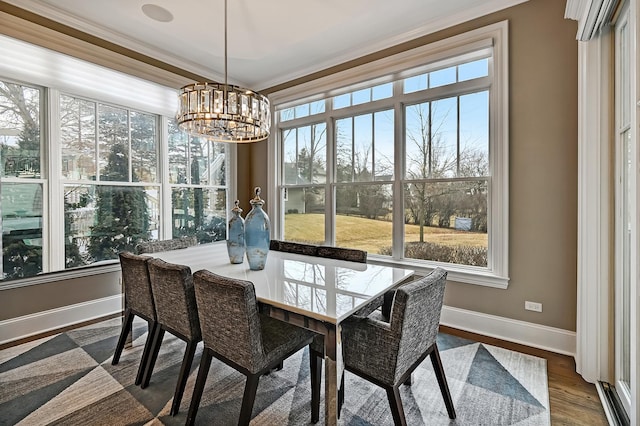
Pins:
x,y
543,164
543,176
22,301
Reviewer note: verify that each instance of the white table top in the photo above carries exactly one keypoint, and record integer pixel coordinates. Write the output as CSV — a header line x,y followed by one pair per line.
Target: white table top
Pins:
x,y
324,289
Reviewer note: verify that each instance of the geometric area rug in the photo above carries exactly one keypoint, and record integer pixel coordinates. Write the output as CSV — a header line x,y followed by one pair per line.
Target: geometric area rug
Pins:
x,y
68,379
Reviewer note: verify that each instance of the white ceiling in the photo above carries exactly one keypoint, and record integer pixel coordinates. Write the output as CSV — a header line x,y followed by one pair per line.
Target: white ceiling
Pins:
x,y
269,41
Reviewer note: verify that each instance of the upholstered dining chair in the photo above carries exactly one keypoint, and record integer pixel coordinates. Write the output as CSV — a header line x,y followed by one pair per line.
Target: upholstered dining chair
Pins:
x,y
386,351
166,245
293,247
341,253
157,246
234,332
177,313
317,346
138,300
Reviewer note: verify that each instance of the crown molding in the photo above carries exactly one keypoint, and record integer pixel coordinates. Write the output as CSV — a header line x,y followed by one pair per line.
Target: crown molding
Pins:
x,y
592,16
425,29
48,11
96,30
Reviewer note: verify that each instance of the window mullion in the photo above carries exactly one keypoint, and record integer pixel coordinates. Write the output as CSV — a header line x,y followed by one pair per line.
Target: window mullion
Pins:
x,y
457,135
330,188
96,130
165,187
430,140
353,150
398,172
56,235
130,145
373,146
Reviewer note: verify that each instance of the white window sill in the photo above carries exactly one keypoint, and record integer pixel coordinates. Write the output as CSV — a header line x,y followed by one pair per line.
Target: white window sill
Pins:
x,y
457,273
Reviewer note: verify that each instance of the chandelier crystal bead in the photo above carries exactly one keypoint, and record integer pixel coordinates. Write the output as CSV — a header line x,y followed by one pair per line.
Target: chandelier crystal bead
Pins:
x,y
224,113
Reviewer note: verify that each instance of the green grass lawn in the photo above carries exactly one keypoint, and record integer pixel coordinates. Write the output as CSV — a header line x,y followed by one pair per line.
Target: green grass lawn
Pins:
x,y
370,234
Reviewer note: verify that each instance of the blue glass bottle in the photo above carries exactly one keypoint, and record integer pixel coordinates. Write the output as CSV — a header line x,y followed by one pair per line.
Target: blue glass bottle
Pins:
x,y
235,242
257,234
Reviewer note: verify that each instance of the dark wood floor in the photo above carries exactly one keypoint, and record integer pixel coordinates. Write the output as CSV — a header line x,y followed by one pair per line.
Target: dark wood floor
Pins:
x,y
573,401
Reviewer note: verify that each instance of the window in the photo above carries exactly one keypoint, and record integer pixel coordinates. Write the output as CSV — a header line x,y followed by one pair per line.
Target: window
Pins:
x,y
109,175
197,176
108,171
405,159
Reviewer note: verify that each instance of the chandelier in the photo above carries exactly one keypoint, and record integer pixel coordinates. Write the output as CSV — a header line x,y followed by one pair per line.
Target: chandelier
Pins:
x,y
224,112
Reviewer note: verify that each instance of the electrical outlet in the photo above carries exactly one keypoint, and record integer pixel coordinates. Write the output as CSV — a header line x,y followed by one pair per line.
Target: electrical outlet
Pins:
x,y
533,306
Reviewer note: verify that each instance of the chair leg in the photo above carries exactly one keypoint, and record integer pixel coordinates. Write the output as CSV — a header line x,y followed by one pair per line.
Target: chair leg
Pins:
x,y
278,367
146,351
203,371
315,364
184,375
408,381
155,348
126,326
393,394
341,394
249,397
129,342
442,381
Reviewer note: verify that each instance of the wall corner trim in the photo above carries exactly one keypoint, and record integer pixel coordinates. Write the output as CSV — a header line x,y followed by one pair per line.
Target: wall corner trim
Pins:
x,y
525,333
53,319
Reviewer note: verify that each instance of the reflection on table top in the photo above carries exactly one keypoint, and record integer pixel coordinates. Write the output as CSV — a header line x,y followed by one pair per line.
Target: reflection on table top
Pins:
x,y
325,289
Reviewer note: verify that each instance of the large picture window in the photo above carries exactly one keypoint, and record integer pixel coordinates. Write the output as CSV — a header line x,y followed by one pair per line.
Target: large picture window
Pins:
x,y
86,174
406,160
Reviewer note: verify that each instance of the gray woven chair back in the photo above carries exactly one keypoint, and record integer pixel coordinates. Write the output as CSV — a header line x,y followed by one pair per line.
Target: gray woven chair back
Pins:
x,y
415,317
340,253
229,318
165,245
174,297
291,247
137,287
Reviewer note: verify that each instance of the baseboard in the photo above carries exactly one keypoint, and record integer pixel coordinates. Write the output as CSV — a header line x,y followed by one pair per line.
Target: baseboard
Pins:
x,y
42,322
525,333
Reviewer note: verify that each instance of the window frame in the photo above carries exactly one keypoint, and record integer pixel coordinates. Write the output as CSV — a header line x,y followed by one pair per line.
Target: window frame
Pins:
x,y
392,68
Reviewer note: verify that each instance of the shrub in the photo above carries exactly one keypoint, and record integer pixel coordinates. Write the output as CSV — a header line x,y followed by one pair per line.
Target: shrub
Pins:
x,y
464,255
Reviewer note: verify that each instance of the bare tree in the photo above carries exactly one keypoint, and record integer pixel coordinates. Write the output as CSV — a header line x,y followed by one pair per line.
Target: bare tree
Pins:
x,y
429,157
19,115
307,158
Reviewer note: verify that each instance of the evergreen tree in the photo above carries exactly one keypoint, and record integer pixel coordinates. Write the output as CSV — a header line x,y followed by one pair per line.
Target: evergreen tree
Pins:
x,y
121,219
20,260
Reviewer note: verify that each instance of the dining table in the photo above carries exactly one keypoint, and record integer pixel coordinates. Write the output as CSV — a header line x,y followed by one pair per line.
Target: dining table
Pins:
x,y
313,292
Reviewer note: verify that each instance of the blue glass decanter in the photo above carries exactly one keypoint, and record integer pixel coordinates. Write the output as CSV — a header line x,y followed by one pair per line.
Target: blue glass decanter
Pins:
x,y
235,242
257,233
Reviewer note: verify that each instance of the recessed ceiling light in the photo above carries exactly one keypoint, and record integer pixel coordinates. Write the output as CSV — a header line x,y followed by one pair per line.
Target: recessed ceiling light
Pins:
x,y
157,13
